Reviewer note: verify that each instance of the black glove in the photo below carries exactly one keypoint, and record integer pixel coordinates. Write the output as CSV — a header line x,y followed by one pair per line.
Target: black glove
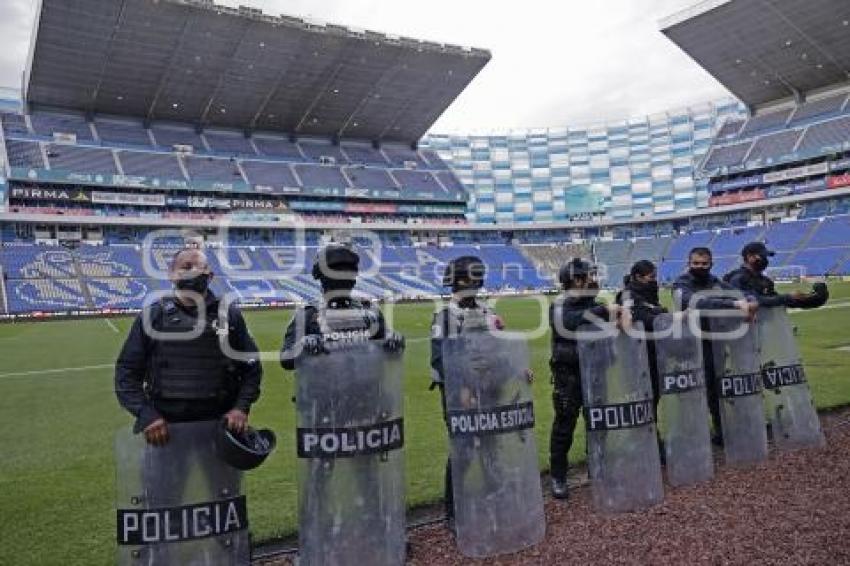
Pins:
x,y
313,345
394,342
820,290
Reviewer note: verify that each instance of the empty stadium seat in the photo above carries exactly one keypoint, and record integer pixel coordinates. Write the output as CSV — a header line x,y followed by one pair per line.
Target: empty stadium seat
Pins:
x,y
122,132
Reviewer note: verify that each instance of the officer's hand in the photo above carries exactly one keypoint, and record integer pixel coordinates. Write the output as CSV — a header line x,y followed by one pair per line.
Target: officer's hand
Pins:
x,y
747,308
820,289
236,420
496,322
313,345
394,342
529,375
156,433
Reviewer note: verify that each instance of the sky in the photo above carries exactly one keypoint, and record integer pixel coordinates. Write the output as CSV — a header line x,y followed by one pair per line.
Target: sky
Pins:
x,y
555,62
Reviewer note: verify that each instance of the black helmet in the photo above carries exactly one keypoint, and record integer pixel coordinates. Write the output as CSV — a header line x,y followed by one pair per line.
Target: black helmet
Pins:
x,y
334,261
467,267
576,267
244,451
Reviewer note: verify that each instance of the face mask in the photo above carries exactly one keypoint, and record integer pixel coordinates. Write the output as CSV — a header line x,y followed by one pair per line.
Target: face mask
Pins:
x,y
700,274
648,290
761,263
337,285
198,284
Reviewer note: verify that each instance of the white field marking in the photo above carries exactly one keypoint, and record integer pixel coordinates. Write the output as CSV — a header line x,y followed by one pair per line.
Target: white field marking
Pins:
x,y
112,326
841,305
60,370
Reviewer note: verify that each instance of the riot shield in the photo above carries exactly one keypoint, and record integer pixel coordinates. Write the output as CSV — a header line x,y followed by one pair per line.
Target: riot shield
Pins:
x,y
793,418
682,407
351,464
179,503
738,385
622,446
490,417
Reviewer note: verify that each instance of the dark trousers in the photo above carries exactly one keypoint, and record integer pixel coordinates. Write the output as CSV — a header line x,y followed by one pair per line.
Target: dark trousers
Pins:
x,y
711,386
567,401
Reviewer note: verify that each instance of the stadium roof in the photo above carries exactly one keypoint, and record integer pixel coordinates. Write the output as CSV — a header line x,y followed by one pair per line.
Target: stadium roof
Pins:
x,y
764,51
194,61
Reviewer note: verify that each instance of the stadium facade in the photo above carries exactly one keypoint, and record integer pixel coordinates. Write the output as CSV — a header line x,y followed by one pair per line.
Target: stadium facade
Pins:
x,y
633,169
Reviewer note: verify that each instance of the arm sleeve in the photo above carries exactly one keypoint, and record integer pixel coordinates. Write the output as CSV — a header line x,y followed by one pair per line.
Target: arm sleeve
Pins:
x,y
249,372
573,318
287,351
130,372
683,296
382,327
738,281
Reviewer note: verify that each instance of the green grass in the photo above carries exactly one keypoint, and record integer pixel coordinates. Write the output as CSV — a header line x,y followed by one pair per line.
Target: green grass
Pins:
x,y
56,429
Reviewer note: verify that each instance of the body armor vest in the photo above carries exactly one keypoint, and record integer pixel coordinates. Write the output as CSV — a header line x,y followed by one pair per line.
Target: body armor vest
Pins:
x,y
194,368
355,324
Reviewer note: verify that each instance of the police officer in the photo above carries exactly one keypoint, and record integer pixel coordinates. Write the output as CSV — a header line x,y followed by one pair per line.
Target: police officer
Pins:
x,y
338,315
750,278
465,277
699,289
173,366
640,294
575,306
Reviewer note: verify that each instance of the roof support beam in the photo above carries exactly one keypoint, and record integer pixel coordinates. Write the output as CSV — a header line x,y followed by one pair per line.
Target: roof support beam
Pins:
x,y
102,73
223,75
163,79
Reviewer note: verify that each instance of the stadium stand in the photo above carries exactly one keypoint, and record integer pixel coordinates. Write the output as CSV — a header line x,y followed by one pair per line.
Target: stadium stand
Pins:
x,y
24,154
211,169
47,124
163,165
81,159
118,133
229,143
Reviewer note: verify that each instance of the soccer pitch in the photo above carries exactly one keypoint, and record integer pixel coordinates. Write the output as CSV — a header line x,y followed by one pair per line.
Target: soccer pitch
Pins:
x,y
59,415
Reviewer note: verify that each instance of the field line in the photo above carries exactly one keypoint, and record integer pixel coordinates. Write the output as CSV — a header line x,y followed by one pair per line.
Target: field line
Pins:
x,y
112,326
60,370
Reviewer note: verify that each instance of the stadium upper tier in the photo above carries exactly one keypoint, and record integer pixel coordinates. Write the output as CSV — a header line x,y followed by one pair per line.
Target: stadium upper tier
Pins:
x,y
272,269
197,62
66,148
787,134
632,169
764,52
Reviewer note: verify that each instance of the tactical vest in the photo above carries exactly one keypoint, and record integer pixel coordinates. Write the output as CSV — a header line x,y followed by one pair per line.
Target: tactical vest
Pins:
x,y
355,324
458,320
194,368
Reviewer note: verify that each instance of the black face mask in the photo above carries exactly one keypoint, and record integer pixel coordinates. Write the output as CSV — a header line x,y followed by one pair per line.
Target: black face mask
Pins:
x,y
761,263
337,285
700,274
647,291
198,284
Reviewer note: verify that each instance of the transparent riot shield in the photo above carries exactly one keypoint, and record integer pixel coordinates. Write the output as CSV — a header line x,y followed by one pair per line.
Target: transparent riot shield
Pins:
x,y
179,503
622,446
351,465
682,408
490,417
738,385
793,418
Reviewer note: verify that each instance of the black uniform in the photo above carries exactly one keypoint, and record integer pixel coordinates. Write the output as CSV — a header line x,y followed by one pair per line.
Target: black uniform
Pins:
x,y
307,322
567,313
645,307
684,289
186,380
761,287
451,321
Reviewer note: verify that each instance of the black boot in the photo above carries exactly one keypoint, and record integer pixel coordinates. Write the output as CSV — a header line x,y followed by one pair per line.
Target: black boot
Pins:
x,y
560,489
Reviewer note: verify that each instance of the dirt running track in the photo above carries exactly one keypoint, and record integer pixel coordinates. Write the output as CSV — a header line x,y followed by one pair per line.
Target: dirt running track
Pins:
x,y
793,509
